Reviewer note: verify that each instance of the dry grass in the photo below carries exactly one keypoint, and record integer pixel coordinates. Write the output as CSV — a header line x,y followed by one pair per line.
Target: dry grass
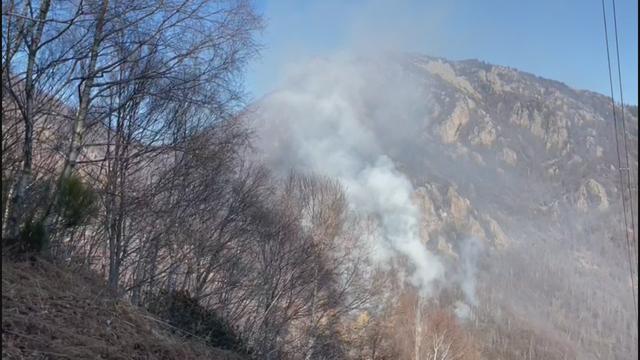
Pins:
x,y
51,312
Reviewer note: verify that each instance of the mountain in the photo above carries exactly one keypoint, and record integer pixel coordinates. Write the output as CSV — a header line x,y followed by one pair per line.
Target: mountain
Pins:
x,y
523,167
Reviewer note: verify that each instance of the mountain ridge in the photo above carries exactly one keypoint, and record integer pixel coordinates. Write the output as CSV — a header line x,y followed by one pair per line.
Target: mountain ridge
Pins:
x,y
525,164
488,65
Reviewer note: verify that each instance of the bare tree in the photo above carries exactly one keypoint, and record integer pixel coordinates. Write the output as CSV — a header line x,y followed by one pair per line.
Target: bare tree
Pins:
x,y
31,33
424,330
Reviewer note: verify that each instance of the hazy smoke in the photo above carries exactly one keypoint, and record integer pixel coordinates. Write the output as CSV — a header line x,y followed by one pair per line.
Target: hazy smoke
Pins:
x,y
462,310
469,253
324,120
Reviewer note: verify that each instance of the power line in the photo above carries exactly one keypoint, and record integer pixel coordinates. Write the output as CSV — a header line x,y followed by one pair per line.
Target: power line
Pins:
x,y
624,137
622,193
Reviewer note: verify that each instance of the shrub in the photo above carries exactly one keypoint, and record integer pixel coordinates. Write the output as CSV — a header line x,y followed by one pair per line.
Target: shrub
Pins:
x,y
32,236
33,239
184,312
77,201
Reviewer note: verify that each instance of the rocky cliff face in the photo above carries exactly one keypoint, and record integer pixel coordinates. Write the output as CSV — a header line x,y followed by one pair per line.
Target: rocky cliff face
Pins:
x,y
529,167
524,165
531,149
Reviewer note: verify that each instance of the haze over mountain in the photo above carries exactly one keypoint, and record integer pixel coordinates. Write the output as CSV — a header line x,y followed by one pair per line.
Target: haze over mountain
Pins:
x,y
481,177
381,204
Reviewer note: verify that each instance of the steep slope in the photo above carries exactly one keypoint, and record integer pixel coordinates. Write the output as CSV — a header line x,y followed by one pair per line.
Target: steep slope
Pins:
x,y
542,187
52,312
527,166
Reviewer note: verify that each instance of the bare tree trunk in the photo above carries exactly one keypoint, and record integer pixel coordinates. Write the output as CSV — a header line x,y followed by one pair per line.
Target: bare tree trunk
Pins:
x,y
86,84
114,202
16,204
418,326
85,95
312,332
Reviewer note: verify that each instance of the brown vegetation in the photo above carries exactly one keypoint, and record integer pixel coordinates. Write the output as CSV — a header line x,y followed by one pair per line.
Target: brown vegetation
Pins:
x,y
54,312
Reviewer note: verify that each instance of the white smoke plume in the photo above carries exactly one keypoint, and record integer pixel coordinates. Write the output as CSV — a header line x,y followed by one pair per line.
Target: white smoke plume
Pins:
x,y
462,310
470,251
327,119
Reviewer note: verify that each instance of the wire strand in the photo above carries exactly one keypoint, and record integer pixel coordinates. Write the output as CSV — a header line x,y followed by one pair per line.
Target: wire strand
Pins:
x,y
615,126
624,137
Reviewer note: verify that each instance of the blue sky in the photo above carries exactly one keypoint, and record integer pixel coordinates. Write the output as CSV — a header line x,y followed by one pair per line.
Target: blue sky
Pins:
x,y
561,39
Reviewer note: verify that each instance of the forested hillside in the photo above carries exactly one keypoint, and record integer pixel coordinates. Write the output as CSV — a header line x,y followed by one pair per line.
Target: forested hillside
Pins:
x,y
509,183
393,207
